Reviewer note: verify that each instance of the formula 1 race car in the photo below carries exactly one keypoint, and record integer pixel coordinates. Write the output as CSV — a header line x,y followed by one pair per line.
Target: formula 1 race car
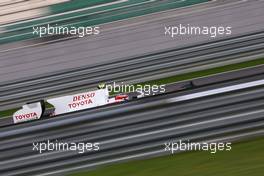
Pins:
x,y
66,104
81,101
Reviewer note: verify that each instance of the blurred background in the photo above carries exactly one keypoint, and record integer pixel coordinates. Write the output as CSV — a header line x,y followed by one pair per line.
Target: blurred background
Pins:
x,y
214,86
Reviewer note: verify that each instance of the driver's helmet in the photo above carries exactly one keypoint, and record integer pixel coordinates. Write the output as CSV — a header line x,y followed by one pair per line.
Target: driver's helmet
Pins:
x,y
101,86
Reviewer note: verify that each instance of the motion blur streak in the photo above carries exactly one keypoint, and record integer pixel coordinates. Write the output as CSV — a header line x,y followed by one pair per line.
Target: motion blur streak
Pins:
x,y
135,129
217,91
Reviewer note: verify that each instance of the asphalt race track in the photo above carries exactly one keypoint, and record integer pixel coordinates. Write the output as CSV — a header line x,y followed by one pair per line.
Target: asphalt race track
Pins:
x,y
135,70
129,39
226,107
225,111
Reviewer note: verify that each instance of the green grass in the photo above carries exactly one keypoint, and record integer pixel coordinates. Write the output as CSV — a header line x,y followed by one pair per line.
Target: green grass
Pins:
x,y
183,77
10,112
208,72
244,159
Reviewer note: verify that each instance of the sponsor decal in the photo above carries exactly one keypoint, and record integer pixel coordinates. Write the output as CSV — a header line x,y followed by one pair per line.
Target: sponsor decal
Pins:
x,y
79,101
28,112
26,116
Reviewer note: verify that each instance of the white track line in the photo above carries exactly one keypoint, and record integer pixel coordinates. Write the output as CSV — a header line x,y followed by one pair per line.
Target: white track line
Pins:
x,y
216,91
